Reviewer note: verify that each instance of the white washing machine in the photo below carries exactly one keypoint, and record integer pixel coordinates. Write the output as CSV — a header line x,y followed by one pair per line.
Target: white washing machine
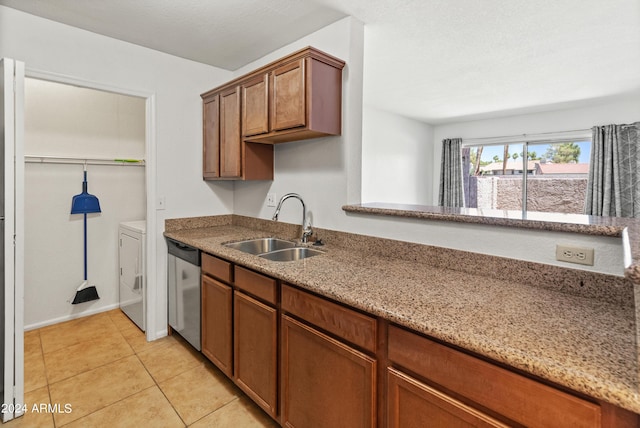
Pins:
x,y
132,255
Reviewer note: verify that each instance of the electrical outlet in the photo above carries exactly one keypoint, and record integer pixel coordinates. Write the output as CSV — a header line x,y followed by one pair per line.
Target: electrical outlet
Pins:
x,y
583,256
161,203
271,199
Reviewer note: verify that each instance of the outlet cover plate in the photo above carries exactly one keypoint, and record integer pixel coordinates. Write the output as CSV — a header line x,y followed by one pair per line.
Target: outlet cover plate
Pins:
x,y
271,199
571,254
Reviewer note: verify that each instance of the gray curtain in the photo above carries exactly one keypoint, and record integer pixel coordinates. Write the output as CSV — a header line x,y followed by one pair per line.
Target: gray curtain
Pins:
x,y
613,188
451,189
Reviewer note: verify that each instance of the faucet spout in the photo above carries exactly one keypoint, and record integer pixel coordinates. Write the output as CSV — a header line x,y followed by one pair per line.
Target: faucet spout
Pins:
x,y
306,229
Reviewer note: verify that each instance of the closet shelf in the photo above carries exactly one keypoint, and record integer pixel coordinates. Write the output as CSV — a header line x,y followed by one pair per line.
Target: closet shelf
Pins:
x,y
72,160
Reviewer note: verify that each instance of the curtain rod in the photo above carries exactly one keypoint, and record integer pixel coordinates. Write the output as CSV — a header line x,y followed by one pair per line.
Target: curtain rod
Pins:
x,y
522,137
72,160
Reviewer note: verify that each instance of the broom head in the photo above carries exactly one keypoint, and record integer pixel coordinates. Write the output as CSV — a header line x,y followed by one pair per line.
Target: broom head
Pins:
x,y
85,295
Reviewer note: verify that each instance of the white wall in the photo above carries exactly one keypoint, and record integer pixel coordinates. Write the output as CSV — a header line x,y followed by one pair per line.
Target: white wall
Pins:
x,y
175,84
63,120
396,158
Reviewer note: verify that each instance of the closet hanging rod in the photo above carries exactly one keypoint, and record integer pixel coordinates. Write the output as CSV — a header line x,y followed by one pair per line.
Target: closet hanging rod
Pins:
x,y
72,160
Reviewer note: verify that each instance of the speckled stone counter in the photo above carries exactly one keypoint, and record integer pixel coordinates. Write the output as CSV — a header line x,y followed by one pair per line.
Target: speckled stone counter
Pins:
x,y
570,327
627,228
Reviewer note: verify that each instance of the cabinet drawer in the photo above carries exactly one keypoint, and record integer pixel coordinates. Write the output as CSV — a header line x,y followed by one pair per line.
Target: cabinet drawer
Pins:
x,y
216,267
345,323
256,284
518,398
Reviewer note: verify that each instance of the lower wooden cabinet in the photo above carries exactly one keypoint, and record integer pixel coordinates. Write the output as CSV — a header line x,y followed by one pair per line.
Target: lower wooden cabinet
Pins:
x,y
310,362
510,396
325,383
217,323
412,404
256,351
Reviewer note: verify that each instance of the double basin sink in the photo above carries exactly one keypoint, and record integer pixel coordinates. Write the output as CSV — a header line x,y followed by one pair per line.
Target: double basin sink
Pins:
x,y
274,249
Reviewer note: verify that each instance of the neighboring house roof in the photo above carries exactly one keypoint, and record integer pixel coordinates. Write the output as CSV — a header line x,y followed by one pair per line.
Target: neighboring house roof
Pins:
x,y
562,168
540,168
511,165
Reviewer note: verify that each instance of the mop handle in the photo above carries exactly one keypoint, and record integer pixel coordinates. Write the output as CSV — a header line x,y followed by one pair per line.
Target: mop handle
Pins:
x,y
85,246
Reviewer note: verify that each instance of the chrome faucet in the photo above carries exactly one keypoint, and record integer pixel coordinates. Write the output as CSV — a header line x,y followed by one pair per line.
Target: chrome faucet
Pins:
x,y
306,228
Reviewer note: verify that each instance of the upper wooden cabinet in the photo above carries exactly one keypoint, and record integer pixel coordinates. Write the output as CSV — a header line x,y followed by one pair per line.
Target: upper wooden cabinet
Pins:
x,y
255,106
211,137
304,99
288,96
230,142
295,98
225,156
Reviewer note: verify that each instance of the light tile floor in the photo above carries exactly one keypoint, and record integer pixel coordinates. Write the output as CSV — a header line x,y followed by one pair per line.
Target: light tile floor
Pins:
x,y
107,374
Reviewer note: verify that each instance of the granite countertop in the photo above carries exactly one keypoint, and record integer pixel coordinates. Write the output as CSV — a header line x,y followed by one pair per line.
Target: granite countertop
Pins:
x,y
627,228
586,344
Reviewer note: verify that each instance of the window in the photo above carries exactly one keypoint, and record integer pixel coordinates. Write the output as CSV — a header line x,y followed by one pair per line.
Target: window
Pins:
x,y
551,177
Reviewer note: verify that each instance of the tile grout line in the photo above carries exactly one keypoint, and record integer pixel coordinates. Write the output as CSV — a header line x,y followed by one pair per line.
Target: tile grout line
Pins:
x,y
156,383
236,398
46,375
89,370
117,329
163,393
102,408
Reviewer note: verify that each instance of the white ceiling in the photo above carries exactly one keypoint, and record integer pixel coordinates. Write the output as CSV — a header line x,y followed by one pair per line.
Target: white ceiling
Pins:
x,y
434,60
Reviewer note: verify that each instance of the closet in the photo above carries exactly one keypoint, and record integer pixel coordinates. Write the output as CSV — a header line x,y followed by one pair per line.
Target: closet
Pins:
x,y
68,129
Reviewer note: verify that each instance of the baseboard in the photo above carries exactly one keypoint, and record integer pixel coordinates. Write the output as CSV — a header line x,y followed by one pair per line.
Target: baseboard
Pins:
x,y
159,334
71,317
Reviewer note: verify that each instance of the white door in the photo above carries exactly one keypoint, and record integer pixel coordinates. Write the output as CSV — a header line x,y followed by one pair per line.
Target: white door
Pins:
x,y
12,226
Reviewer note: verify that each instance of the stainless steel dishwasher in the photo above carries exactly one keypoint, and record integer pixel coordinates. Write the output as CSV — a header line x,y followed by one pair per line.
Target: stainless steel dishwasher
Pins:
x,y
184,291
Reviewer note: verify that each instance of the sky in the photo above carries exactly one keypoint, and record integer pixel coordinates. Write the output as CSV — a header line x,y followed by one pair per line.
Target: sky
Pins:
x,y
490,151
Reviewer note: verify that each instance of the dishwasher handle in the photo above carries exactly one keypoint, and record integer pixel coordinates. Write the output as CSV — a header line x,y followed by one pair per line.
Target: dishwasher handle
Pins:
x,y
185,252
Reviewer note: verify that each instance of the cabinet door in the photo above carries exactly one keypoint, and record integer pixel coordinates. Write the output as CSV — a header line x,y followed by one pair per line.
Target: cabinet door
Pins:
x,y
255,106
217,324
211,138
324,382
288,101
230,141
256,351
412,404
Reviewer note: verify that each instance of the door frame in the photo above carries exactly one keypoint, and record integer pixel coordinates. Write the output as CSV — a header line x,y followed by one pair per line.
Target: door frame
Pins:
x,y
13,170
150,178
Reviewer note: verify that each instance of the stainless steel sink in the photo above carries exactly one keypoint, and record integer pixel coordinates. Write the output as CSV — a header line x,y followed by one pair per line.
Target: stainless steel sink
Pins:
x,y
261,245
291,254
274,249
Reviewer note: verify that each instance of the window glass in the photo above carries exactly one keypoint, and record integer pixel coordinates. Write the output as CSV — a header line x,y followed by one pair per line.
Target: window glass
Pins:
x,y
556,176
